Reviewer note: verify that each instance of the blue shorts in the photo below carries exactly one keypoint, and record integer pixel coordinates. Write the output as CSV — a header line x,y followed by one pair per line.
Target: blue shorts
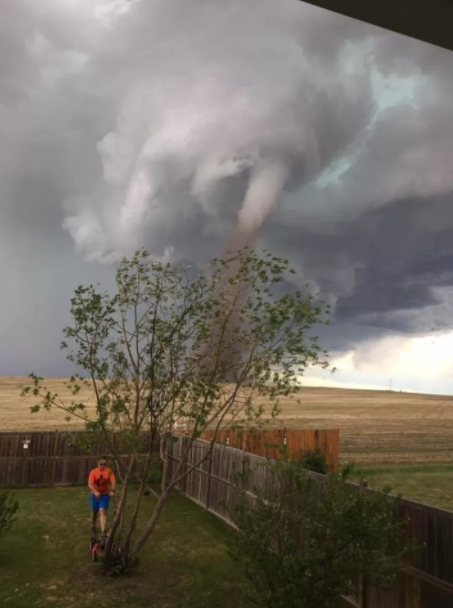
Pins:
x,y
99,503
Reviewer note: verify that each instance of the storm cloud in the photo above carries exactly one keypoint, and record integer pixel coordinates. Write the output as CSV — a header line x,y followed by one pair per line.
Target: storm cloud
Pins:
x,y
142,123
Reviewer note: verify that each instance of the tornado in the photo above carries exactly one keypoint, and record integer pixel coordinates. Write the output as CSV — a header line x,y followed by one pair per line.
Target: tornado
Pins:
x,y
265,186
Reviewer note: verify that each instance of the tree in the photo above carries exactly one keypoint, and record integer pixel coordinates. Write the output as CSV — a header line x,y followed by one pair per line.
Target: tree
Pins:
x,y
305,538
206,346
8,510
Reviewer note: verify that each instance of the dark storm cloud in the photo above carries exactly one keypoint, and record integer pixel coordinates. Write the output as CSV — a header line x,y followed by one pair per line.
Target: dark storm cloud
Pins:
x,y
389,269
84,88
405,252
201,104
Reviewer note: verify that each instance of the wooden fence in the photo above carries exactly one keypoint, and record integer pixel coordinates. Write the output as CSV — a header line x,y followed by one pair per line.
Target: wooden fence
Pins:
x,y
49,458
425,582
263,443
45,459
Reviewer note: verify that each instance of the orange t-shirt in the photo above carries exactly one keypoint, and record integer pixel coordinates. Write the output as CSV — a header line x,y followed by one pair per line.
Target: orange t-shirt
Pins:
x,y
101,479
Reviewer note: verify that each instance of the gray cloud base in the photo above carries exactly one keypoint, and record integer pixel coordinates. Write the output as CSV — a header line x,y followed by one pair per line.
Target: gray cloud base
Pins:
x,y
143,130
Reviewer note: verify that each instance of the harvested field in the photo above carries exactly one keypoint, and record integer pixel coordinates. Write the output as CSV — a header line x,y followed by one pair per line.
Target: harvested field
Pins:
x,y
15,412
376,427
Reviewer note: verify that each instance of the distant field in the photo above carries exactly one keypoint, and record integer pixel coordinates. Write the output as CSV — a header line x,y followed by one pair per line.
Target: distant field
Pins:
x,y
376,427
15,412
428,483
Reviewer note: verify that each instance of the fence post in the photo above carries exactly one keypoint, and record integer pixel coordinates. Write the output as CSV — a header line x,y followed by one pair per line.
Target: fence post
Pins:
x,y
364,582
364,593
54,459
208,489
409,581
25,481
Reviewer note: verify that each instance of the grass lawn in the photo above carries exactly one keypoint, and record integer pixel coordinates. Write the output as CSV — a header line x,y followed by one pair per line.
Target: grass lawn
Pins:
x,y
430,483
45,559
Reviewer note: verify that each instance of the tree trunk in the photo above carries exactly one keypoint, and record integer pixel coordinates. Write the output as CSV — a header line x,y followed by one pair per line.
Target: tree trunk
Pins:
x,y
152,523
167,486
164,458
117,542
121,506
133,523
165,491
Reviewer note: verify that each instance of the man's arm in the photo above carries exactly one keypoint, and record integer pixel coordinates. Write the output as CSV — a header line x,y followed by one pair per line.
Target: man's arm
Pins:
x,y
112,482
91,485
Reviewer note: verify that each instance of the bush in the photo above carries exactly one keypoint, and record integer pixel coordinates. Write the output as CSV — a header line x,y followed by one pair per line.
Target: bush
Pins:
x,y
304,540
315,460
8,509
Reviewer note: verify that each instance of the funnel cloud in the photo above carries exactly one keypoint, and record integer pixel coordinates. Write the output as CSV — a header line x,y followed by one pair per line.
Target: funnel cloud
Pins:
x,y
193,128
230,94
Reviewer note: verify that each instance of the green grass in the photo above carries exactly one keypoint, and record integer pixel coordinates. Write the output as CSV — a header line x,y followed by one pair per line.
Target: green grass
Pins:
x,y
45,558
430,484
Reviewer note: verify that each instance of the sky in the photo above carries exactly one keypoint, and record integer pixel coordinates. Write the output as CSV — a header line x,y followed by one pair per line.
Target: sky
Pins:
x,y
171,125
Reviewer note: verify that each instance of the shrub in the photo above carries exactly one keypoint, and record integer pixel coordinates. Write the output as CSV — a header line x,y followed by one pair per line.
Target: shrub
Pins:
x,y
315,460
304,539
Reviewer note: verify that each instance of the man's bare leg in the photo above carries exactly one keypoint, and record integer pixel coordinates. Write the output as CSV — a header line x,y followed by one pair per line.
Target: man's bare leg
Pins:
x,y
94,516
103,513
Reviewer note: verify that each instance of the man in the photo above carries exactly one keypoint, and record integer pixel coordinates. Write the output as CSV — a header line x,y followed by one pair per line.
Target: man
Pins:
x,y
98,482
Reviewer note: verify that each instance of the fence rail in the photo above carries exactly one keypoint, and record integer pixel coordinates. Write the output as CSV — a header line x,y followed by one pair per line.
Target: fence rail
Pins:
x,y
426,581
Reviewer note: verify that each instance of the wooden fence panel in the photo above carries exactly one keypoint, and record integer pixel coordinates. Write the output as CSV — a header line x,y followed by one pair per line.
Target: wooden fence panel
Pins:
x,y
425,582
45,458
298,442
